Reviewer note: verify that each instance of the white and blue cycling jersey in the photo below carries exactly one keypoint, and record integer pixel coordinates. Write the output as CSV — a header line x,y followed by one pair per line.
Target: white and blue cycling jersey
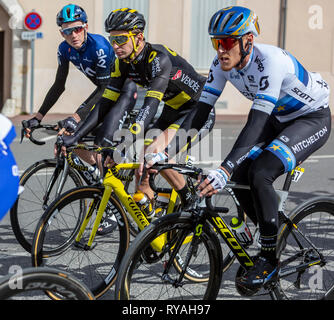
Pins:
x,y
94,59
9,176
274,80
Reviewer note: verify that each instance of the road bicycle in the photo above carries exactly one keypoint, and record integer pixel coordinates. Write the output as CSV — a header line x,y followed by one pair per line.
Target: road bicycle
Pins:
x,y
45,180
66,237
305,248
28,283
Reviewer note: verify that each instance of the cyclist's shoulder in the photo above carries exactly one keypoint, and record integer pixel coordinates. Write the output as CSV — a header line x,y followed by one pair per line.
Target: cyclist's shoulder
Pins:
x,y
270,55
163,52
171,59
63,47
98,40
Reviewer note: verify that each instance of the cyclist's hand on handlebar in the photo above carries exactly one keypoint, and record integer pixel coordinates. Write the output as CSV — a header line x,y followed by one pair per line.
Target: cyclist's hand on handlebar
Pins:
x,y
113,156
30,124
65,141
152,158
67,126
215,181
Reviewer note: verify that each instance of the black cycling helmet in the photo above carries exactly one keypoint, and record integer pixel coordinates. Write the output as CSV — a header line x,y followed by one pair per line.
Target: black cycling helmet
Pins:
x,y
125,19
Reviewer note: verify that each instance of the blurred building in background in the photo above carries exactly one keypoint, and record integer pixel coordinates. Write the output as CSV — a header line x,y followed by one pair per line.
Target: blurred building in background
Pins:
x,y
303,27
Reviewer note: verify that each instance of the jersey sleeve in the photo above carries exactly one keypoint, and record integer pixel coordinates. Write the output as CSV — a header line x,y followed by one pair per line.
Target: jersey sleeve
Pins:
x,y
214,84
270,84
58,86
63,59
160,67
104,58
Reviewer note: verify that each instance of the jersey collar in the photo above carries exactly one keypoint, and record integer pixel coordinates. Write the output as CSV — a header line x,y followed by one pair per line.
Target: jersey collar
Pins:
x,y
247,66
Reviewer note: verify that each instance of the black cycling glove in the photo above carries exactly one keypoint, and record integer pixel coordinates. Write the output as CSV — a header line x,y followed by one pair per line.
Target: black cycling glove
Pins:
x,y
32,123
69,124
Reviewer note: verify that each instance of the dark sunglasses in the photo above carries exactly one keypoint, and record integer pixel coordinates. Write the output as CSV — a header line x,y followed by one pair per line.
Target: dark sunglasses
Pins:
x,y
227,42
69,31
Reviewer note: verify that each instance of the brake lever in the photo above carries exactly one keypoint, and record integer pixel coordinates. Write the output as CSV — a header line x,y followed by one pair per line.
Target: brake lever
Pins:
x,y
23,131
143,176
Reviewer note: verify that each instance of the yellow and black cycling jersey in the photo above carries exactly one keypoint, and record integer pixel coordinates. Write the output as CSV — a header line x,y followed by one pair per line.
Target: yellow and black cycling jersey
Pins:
x,y
165,75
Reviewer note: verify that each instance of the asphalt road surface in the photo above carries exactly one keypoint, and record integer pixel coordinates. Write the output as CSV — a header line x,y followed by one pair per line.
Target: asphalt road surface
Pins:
x,y
318,179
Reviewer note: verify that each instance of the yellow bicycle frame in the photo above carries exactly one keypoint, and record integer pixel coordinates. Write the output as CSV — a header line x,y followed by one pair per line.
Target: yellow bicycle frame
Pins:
x,y
112,184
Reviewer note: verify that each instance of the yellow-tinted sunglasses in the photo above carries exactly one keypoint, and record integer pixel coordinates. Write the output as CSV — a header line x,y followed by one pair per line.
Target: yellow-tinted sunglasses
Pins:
x,y
120,39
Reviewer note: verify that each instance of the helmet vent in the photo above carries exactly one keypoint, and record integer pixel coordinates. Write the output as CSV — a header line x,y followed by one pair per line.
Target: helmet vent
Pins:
x,y
237,21
226,20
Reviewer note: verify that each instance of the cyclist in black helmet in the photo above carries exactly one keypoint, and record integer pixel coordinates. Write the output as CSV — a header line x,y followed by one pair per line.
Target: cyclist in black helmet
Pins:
x,y
164,74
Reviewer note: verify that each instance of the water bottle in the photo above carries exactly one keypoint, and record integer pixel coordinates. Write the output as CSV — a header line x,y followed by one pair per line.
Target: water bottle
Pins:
x,y
144,204
161,204
241,231
94,171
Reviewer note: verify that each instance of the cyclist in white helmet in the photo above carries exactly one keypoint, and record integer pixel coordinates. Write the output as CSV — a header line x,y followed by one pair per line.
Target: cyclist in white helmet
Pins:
x,y
288,121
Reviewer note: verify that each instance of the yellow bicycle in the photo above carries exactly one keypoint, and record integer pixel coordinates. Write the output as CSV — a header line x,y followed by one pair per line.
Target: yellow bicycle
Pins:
x,y
66,238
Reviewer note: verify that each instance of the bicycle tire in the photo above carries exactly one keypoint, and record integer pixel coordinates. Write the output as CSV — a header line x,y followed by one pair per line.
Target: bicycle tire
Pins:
x,y
24,231
41,279
96,266
139,276
315,218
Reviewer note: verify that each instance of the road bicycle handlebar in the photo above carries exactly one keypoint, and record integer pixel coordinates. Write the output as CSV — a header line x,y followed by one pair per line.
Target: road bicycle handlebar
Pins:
x,y
25,126
184,169
191,171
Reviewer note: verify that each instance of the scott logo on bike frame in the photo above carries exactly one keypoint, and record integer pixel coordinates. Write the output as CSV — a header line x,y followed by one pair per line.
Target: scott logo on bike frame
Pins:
x,y
232,242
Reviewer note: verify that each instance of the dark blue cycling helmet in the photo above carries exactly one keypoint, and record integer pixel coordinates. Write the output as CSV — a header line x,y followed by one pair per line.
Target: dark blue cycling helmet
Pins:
x,y
234,21
71,13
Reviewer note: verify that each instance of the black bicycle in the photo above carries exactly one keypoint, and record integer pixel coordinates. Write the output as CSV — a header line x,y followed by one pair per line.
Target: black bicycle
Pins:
x,y
33,282
47,179
305,247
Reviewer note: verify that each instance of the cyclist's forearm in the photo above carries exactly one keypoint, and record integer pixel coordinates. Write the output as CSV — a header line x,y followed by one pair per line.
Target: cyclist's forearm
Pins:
x,y
51,98
145,117
93,119
90,102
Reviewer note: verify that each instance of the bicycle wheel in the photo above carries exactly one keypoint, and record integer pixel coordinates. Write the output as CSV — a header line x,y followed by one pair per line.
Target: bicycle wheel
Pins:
x,y
32,282
315,219
28,208
143,272
55,242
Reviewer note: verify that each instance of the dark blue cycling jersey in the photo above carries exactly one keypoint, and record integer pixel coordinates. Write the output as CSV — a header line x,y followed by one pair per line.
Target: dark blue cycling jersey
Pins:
x,y
94,59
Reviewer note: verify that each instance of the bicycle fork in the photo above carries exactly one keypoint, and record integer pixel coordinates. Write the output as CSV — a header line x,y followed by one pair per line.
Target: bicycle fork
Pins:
x,y
103,204
175,246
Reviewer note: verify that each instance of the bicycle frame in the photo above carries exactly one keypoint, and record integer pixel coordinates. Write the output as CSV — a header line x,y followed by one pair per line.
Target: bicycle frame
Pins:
x,y
62,168
113,184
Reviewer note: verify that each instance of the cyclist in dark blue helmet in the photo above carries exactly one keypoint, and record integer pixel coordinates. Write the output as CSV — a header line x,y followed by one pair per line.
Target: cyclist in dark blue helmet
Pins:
x,y
9,176
92,55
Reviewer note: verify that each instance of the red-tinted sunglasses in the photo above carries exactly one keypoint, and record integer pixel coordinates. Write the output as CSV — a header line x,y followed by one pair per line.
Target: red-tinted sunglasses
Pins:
x,y
227,43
